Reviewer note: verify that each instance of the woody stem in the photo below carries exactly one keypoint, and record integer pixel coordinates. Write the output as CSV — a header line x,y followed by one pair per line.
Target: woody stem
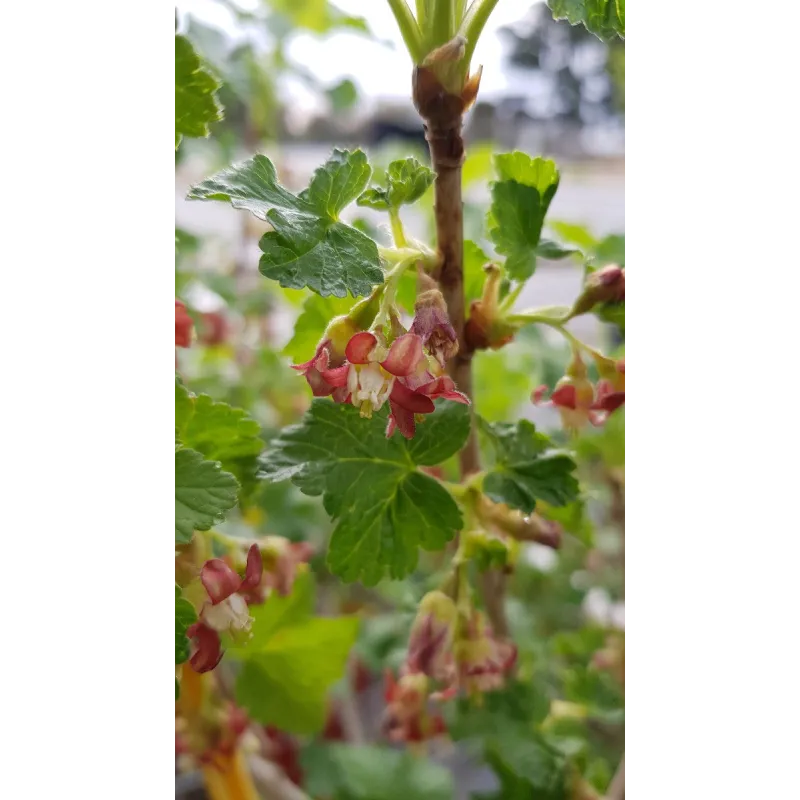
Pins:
x,y
446,145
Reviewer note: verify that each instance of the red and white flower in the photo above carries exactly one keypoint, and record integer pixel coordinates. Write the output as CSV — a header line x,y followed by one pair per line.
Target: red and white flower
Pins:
x,y
323,376
482,661
281,560
406,718
576,398
431,639
225,611
373,369
414,396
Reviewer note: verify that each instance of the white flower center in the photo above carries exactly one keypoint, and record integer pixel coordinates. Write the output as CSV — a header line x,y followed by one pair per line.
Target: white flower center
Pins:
x,y
229,615
368,383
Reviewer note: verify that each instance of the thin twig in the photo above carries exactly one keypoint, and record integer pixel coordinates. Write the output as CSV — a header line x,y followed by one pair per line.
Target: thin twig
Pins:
x,y
272,782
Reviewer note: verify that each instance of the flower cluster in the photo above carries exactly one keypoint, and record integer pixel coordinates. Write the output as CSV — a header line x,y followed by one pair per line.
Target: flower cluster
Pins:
x,y
281,564
408,373
224,728
447,653
225,609
578,400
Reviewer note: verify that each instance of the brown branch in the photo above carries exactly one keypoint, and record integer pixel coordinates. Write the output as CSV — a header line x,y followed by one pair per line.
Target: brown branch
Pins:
x,y
442,114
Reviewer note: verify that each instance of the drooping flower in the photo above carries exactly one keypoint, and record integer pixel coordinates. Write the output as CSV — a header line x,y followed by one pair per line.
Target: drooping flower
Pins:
x,y
326,372
431,639
212,736
577,400
282,560
373,370
432,325
482,661
183,325
413,396
224,611
323,376
406,718
611,386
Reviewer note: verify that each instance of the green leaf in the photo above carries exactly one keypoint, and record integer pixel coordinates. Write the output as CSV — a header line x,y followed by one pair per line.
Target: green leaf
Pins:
x,y
574,234
379,773
343,95
528,768
527,468
195,101
218,431
184,617
604,18
442,434
203,493
406,181
280,612
474,276
317,313
610,250
385,509
286,682
318,16
308,246
519,705
573,517
520,200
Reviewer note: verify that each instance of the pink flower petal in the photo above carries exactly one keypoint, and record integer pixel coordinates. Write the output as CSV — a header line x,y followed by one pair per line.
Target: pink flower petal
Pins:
x,y
403,420
610,401
319,386
538,393
206,647
404,355
252,573
412,401
360,346
443,387
336,377
312,362
219,580
341,395
565,396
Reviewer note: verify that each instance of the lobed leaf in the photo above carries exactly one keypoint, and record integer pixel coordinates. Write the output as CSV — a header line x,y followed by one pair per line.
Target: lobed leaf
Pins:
x,y
195,93
527,468
520,200
385,509
604,18
309,246
406,181
203,493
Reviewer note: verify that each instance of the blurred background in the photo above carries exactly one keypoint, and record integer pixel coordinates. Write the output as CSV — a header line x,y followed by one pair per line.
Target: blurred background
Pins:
x,y
300,77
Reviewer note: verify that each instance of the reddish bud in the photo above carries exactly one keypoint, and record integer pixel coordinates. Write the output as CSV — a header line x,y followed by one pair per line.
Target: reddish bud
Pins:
x,y
607,285
183,325
214,330
486,329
